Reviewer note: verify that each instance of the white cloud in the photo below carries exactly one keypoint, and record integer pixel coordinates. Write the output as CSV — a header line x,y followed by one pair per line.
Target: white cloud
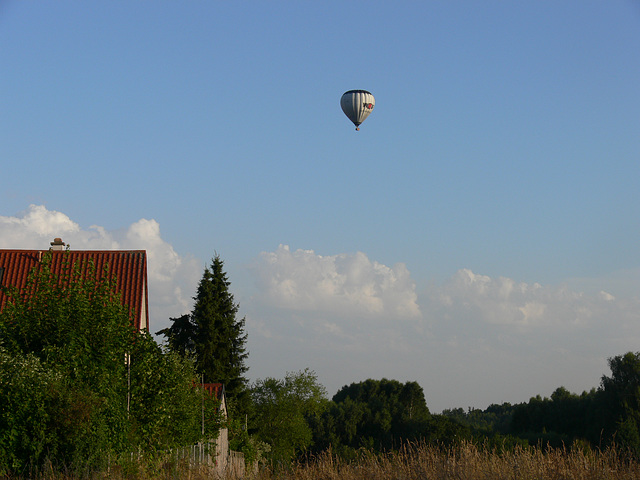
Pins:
x,y
30,228
473,339
344,284
172,277
302,292
502,301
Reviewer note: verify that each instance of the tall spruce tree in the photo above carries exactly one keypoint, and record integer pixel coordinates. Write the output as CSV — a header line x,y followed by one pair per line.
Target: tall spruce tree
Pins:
x,y
215,336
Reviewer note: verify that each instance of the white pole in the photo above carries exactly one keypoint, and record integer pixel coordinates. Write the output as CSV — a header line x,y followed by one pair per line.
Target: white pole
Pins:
x,y
128,357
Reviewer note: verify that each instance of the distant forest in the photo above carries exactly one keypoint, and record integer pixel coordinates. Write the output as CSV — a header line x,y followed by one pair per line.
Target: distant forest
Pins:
x,y
607,415
381,414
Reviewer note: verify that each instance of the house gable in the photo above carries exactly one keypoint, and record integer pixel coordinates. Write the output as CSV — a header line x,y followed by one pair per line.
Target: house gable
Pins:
x,y
216,390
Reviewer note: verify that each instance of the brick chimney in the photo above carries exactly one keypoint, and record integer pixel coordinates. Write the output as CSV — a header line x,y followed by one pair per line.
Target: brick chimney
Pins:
x,y
57,244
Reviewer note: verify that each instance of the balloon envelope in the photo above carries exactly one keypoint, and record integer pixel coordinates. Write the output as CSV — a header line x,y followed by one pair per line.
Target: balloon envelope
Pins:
x,y
357,105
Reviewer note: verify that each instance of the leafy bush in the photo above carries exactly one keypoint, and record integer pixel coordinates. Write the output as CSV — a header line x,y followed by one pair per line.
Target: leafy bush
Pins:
x,y
79,385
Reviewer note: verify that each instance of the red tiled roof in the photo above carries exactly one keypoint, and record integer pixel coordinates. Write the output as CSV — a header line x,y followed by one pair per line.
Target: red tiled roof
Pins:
x,y
214,389
128,267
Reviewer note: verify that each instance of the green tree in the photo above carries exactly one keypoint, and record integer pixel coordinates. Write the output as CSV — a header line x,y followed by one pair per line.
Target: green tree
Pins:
x,y
165,408
338,428
496,419
181,335
27,390
624,382
380,414
283,410
215,336
443,430
77,328
68,391
622,396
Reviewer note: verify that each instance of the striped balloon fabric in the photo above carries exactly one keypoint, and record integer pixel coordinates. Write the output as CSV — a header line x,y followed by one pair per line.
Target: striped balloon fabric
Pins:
x,y
357,105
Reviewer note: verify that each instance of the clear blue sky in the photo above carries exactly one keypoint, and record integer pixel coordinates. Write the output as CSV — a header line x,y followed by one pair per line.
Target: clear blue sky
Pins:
x,y
485,218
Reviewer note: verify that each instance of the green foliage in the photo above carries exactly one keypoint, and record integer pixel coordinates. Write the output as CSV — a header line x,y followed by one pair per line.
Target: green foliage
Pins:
x,y
240,440
561,419
181,335
165,408
283,410
214,335
69,393
489,428
622,393
603,417
442,430
78,330
495,419
374,414
599,418
26,390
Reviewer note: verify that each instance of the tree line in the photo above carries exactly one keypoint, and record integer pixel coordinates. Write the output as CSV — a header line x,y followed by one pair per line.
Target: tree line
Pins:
x,y
79,386
604,416
381,415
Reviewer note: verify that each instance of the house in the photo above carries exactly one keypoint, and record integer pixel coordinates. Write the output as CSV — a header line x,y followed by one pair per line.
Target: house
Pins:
x,y
128,267
227,462
222,442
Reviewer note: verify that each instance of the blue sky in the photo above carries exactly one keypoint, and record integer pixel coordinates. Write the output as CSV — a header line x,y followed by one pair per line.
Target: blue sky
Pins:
x,y
479,235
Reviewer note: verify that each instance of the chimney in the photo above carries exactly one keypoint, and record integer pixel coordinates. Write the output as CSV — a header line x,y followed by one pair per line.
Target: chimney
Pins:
x,y
57,244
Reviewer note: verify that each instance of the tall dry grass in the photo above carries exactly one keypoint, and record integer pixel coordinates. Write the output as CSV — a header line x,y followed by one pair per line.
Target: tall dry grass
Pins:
x,y
466,461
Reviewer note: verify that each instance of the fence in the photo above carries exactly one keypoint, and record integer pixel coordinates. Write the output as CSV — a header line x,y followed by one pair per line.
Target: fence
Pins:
x,y
235,465
226,465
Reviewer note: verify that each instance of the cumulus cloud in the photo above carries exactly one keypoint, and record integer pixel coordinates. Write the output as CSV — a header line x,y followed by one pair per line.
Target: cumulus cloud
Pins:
x,y
346,284
521,337
472,338
505,302
325,294
172,277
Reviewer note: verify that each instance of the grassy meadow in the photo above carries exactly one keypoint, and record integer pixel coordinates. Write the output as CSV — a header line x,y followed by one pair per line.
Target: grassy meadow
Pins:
x,y
467,461
413,462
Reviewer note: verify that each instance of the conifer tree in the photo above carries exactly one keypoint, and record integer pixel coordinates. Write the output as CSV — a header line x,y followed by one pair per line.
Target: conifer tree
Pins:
x,y
180,335
215,336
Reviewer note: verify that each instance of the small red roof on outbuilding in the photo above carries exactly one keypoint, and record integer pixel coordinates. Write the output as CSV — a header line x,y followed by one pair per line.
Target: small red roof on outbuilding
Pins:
x,y
214,389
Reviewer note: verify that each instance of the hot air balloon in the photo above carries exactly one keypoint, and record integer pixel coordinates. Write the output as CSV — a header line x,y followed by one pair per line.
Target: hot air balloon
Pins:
x,y
357,105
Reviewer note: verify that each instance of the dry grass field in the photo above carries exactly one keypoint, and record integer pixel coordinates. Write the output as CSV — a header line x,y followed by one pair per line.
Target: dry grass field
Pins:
x,y
415,462
467,461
